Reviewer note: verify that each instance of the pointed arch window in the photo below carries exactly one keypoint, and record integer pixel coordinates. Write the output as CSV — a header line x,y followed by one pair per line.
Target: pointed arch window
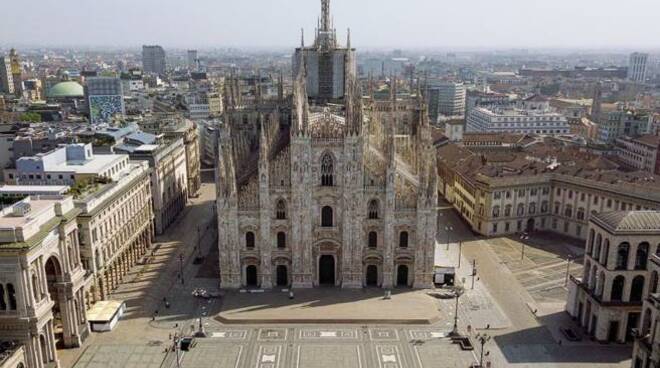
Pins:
x,y
280,210
327,170
373,209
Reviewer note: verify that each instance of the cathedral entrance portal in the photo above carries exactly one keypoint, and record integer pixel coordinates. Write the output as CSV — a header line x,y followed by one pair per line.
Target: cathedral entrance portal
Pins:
x,y
372,275
282,278
327,270
402,275
251,276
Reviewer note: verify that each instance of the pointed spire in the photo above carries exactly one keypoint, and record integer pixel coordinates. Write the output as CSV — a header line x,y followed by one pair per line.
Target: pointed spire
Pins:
x,y
325,16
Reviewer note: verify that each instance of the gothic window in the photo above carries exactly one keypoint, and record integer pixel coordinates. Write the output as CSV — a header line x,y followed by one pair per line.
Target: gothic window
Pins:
x,y
403,239
544,206
507,210
249,239
280,210
521,209
580,213
326,216
281,240
373,239
327,170
496,211
532,208
373,209
569,211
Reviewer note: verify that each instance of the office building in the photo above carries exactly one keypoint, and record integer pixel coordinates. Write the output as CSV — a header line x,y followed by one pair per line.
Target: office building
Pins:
x,y
105,99
446,99
153,59
192,60
6,76
515,120
637,67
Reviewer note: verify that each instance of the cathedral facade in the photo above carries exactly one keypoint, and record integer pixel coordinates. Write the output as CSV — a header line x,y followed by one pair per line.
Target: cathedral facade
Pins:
x,y
311,195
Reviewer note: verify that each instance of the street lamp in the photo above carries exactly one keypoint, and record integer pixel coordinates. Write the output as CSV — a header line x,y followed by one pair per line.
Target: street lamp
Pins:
x,y
181,267
458,292
482,339
569,258
447,230
524,237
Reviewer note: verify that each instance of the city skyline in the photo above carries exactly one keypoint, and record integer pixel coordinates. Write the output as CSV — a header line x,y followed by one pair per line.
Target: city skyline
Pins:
x,y
375,24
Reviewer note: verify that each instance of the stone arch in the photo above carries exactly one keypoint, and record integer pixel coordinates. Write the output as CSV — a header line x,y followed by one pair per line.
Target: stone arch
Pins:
x,y
642,256
622,256
637,289
617,288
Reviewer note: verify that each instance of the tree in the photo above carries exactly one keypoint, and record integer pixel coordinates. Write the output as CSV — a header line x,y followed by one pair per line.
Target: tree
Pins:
x,y
32,117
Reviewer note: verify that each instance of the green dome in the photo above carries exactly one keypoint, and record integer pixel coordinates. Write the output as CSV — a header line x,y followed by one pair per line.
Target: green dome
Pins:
x,y
66,89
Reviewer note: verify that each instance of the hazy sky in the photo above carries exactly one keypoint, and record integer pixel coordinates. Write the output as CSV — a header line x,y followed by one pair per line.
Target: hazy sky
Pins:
x,y
374,23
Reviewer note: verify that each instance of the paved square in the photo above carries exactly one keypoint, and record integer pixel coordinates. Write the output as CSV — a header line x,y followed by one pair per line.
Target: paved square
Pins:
x,y
388,356
272,334
269,356
383,334
329,356
231,334
330,333
122,356
213,355
441,355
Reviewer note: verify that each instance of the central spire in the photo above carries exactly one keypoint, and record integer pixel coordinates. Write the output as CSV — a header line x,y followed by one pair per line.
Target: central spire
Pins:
x,y
325,15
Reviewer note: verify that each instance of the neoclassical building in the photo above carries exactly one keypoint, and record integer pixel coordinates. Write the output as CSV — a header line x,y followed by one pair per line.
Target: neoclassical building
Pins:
x,y
618,275
42,299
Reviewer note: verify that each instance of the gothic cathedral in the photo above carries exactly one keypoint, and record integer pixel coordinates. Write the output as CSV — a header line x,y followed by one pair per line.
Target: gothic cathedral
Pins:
x,y
311,193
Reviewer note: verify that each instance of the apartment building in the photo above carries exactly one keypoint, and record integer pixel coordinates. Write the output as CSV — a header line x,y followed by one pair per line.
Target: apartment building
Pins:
x,y
169,176
640,153
544,185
